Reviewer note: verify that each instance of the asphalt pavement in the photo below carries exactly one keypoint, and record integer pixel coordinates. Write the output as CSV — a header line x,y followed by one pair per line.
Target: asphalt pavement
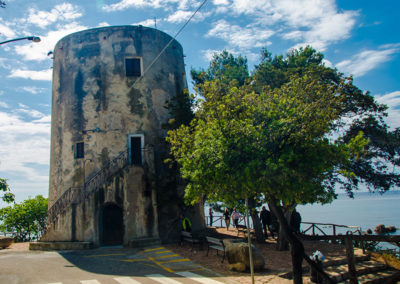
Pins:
x,y
105,265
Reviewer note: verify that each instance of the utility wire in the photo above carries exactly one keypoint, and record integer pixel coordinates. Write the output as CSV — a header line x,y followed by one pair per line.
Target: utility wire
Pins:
x,y
169,43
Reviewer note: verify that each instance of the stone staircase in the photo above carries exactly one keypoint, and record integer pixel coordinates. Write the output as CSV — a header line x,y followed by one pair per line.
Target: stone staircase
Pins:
x,y
368,271
75,195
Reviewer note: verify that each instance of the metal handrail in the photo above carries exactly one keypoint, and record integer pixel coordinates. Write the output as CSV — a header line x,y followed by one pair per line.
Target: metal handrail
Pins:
x,y
75,195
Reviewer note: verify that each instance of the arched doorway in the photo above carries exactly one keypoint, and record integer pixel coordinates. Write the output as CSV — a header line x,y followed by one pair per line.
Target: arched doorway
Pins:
x,y
112,225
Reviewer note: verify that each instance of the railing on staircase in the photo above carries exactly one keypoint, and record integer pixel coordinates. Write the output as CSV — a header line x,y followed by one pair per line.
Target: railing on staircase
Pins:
x,y
75,195
348,241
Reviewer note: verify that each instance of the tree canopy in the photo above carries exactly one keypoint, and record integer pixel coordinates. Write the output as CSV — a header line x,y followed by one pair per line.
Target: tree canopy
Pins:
x,y
27,220
292,132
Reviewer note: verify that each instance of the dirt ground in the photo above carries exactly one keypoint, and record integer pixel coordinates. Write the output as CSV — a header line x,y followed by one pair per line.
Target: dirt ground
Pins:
x,y
276,262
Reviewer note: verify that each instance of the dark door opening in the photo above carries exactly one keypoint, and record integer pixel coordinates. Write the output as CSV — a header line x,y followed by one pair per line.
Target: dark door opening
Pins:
x,y
136,150
112,225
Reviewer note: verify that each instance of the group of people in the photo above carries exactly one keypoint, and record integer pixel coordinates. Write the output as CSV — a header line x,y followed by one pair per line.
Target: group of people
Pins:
x,y
268,220
235,217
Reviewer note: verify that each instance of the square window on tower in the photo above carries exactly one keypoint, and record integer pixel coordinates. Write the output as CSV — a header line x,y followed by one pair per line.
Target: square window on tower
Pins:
x,y
79,150
133,67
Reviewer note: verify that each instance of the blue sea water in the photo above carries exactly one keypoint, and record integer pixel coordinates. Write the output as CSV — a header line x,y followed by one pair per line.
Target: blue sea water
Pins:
x,y
366,210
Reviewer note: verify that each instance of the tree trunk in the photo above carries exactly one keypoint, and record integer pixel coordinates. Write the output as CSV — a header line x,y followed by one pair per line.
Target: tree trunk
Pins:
x,y
297,248
256,222
283,243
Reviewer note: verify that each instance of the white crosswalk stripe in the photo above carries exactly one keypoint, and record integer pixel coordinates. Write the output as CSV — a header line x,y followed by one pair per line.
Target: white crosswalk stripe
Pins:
x,y
162,279
157,278
126,280
94,281
198,278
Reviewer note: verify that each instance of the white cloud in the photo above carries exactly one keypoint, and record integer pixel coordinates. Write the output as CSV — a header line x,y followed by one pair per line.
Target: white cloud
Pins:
x,y
38,51
32,90
243,38
182,16
6,31
220,2
209,53
392,100
367,60
44,75
61,12
4,105
103,24
126,4
310,22
31,112
147,23
24,144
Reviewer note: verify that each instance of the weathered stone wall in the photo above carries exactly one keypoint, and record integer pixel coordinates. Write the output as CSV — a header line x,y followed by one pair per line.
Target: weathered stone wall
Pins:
x,y
94,102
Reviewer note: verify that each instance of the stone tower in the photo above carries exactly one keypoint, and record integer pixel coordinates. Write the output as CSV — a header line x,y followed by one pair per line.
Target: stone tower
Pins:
x,y
108,183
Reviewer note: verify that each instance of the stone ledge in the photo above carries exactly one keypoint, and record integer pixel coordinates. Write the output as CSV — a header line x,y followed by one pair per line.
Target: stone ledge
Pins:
x,y
60,245
144,242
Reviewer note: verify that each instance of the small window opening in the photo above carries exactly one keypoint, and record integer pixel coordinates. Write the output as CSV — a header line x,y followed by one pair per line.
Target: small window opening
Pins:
x,y
79,150
136,150
132,67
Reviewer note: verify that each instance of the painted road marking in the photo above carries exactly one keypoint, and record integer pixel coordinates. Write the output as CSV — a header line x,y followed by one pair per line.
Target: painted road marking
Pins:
x,y
175,260
198,278
161,252
94,281
166,256
162,279
126,280
153,249
100,255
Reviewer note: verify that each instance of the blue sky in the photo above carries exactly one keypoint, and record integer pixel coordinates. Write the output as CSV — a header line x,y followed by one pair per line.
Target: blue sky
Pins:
x,y
358,37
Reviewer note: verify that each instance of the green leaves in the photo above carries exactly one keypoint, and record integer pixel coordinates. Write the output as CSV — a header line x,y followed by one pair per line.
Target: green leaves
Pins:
x,y
295,132
7,197
27,219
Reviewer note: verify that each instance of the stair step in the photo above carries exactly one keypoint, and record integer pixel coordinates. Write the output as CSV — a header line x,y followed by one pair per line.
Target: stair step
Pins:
x,y
342,260
388,276
340,273
144,242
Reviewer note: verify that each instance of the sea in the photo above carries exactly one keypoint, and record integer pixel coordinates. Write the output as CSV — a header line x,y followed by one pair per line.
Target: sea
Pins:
x,y
365,210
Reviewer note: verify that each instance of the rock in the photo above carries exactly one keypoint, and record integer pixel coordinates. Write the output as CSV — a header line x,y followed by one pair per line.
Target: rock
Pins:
x,y
381,229
237,255
5,242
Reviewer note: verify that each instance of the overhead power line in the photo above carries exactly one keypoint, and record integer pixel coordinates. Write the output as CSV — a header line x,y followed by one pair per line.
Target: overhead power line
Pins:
x,y
169,43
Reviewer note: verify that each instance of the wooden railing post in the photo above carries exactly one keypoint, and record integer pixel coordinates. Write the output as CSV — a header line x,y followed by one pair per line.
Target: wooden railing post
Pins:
x,y
351,260
334,233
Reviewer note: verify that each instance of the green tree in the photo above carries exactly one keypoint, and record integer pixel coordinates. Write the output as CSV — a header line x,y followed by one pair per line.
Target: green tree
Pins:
x,y
224,67
26,219
277,141
7,197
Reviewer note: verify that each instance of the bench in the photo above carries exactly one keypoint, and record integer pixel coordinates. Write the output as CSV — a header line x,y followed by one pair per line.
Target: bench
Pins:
x,y
216,244
188,237
241,229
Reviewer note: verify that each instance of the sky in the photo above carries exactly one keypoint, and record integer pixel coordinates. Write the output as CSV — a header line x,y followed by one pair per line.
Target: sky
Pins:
x,y
359,37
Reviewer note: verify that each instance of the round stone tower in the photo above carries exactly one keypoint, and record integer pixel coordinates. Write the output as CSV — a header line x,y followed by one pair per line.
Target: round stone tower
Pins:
x,y
107,176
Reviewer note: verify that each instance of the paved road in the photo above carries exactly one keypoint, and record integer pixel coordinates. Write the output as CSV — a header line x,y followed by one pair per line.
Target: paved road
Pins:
x,y
108,265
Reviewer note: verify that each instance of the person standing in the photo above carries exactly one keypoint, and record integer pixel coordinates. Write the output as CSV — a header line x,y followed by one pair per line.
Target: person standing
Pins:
x,y
210,213
227,217
235,217
266,219
186,224
295,221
